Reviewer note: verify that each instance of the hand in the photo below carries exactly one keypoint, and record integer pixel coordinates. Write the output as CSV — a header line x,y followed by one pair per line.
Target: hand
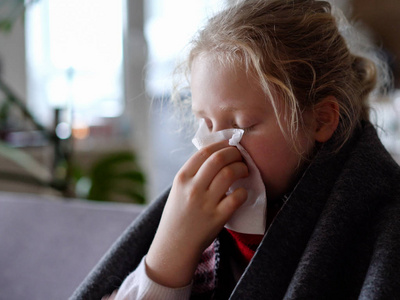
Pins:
x,y
110,297
195,212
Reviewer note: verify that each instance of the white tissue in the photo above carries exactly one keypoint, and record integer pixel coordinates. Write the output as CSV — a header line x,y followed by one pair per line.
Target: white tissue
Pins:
x,y
251,216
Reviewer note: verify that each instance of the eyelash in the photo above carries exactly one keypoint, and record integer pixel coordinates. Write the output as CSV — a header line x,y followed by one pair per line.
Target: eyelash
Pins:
x,y
246,129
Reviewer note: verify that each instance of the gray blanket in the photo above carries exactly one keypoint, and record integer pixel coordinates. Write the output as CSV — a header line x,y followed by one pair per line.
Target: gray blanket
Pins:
x,y
337,236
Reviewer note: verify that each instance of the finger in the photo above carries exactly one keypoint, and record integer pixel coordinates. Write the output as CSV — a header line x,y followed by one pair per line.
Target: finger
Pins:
x,y
214,164
226,177
194,163
110,297
231,203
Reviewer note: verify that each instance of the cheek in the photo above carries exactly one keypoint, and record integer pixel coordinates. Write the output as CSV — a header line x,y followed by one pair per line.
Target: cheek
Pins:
x,y
276,161
267,153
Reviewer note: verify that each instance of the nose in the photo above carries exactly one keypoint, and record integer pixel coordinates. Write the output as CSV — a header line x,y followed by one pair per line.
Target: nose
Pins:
x,y
218,126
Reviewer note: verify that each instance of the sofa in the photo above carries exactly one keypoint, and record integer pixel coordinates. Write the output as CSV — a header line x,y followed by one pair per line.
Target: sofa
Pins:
x,y
49,244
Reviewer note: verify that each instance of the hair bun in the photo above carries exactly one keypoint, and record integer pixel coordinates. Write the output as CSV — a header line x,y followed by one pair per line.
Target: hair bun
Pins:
x,y
366,75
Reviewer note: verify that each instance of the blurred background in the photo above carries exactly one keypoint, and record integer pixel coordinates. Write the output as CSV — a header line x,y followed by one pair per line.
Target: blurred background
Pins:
x,y
82,83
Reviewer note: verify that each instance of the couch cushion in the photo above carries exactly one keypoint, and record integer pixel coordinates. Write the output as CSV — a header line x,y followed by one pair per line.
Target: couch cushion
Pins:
x,y
49,245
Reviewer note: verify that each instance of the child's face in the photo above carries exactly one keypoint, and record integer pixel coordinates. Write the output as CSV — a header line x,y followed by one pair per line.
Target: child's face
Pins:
x,y
227,98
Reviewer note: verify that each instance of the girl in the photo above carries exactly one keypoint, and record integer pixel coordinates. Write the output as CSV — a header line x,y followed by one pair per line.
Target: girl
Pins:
x,y
281,71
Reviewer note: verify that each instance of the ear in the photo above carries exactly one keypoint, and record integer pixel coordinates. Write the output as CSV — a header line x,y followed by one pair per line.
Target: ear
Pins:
x,y
326,116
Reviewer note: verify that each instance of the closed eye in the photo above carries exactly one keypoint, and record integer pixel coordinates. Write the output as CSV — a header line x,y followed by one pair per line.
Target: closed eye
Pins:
x,y
246,129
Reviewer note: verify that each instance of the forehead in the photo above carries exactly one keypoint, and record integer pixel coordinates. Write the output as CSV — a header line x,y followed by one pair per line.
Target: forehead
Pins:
x,y
210,72
224,87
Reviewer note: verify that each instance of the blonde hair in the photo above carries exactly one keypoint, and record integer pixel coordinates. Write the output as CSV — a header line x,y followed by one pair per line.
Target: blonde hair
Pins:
x,y
297,52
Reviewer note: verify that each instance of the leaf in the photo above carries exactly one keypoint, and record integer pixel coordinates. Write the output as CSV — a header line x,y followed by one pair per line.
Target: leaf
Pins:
x,y
26,162
117,174
136,176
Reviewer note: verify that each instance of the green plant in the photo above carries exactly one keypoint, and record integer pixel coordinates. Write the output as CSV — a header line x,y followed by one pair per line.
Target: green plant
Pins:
x,y
35,172
114,177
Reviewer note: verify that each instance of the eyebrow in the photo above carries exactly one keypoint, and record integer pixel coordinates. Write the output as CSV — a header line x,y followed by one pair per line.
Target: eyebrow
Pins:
x,y
229,108
222,108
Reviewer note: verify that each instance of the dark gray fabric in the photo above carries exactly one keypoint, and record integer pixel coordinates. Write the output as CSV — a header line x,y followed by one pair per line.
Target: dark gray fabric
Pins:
x,y
337,236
